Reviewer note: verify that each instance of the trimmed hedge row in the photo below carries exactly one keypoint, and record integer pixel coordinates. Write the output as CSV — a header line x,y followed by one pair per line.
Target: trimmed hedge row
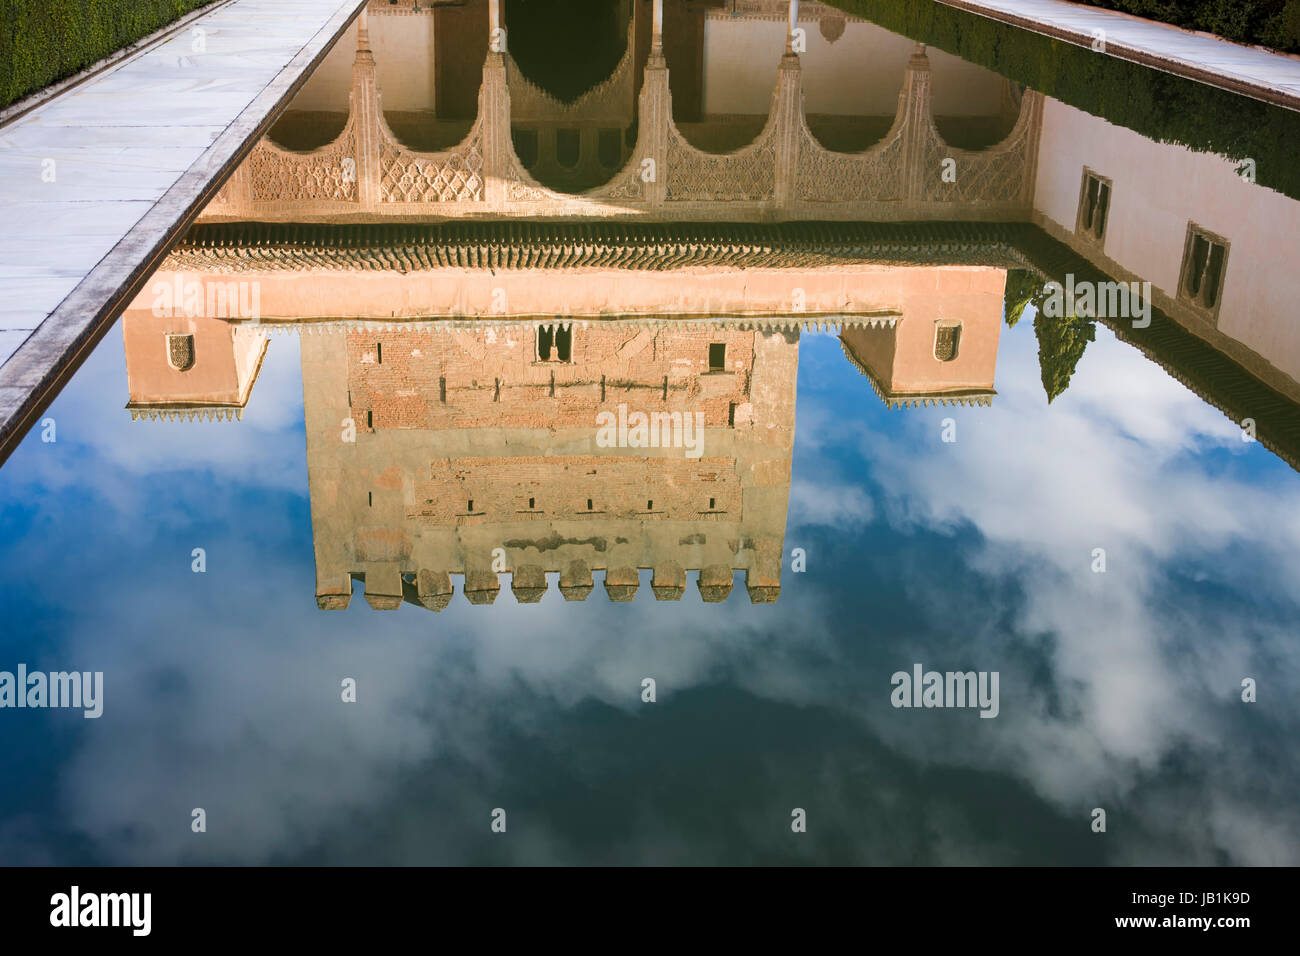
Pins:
x,y
1158,105
1271,23
42,41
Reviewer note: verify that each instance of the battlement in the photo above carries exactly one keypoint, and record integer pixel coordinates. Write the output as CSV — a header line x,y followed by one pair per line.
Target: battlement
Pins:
x,y
386,588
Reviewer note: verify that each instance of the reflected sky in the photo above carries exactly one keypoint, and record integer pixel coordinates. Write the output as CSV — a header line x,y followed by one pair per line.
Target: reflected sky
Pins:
x,y
1118,690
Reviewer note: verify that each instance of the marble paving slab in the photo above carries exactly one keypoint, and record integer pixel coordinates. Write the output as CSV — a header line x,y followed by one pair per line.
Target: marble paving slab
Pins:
x,y
97,182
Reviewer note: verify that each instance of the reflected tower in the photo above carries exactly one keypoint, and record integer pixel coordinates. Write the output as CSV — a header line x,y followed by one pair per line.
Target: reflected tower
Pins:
x,y
439,451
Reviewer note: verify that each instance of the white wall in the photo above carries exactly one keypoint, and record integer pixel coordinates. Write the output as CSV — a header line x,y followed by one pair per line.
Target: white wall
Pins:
x,y
403,48
860,74
1157,189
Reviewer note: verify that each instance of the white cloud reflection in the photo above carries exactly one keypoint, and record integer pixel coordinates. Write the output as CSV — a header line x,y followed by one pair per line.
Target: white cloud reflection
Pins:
x,y
224,687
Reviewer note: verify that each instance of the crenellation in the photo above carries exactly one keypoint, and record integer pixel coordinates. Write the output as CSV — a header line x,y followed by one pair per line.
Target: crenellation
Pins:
x,y
333,596
482,587
576,581
763,577
715,583
668,581
383,585
621,583
433,589
528,583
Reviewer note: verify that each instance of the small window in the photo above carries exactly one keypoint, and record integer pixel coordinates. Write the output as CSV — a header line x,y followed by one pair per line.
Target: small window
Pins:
x,y
554,344
379,353
717,356
588,504
532,504
370,418
650,506
712,503
1094,206
1204,260
947,340
180,352
469,505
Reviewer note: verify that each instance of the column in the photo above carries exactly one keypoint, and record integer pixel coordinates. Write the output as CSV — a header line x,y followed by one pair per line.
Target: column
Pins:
x,y
365,115
789,119
914,104
494,110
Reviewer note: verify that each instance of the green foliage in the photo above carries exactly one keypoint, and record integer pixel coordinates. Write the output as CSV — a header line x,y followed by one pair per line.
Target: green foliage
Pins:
x,y
1158,105
1061,343
42,41
1273,23
1023,286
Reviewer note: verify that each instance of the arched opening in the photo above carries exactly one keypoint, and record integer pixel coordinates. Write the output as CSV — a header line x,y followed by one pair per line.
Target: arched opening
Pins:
x,y
851,78
573,89
566,47
425,133
428,68
973,108
848,134
306,130
721,74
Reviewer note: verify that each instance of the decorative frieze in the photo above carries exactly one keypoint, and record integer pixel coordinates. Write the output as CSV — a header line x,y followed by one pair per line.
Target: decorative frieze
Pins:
x,y
368,174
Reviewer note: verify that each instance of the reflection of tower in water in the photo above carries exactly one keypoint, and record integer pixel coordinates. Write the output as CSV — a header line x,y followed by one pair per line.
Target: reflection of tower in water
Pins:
x,y
475,446
474,454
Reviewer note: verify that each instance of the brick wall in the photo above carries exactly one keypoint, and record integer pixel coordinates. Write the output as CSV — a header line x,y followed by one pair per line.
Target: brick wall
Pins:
x,y
466,379
463,491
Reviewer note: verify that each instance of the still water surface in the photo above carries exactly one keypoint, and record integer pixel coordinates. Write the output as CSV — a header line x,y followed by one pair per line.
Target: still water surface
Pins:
x,y
949,537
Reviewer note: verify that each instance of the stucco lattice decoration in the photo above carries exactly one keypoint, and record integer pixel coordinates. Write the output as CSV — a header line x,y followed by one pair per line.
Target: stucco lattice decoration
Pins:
x,y
877,174
283,175
452,176
747,174
1000,173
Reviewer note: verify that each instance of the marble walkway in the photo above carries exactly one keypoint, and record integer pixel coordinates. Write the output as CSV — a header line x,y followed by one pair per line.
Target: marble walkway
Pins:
x,y
96,182
1251,71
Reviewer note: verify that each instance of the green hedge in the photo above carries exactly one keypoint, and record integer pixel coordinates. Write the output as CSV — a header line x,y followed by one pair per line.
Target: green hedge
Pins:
x,y
1272,23
42,41
1160,106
